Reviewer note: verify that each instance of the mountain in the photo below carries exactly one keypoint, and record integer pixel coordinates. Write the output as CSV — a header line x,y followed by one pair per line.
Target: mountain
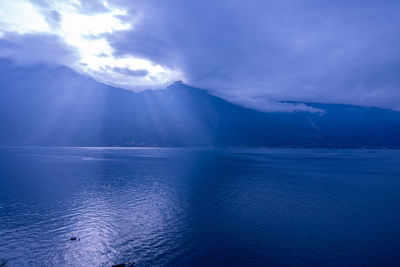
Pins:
x,y
41,105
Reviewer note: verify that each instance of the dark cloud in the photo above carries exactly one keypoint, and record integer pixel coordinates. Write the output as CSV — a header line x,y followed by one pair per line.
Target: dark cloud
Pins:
x,y
324,51
130,72
36,48
53,18
253,52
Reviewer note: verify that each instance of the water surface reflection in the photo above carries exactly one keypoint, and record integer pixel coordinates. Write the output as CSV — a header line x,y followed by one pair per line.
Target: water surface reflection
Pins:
x,y
199,206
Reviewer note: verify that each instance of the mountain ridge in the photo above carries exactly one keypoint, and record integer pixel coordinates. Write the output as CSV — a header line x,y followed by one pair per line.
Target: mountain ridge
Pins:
x,y
58,107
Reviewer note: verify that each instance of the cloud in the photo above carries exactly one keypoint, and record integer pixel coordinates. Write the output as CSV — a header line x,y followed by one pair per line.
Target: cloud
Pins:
x,y
322,51
265,105
53,18
57,26
84,7
255,52
36,48
129,72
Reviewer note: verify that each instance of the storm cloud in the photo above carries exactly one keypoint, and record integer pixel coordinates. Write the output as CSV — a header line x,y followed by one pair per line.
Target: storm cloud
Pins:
x,y
323,51
30,49
256,53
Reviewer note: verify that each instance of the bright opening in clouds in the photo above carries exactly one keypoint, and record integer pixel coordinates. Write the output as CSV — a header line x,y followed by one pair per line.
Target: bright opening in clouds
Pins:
x,y
250,51
22,17
83,30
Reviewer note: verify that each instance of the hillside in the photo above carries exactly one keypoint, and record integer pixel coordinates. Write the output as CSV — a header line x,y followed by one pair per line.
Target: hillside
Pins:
x,y
41,105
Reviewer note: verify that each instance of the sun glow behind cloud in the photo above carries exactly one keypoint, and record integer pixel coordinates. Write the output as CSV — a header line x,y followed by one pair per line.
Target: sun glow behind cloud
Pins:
x,y
22,17
85,32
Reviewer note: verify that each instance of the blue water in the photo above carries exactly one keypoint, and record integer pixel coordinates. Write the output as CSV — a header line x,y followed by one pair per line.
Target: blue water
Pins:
x,y
199,207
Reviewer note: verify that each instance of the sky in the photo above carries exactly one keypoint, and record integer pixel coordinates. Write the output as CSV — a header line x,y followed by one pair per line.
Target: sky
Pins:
x,y
253,52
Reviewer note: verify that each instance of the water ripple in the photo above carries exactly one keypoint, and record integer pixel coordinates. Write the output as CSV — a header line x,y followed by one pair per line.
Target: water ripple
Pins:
x,y
197,207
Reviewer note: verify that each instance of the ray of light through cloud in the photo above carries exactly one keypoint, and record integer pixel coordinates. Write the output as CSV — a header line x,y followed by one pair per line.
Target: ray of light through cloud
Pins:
x,y
258,53
84,31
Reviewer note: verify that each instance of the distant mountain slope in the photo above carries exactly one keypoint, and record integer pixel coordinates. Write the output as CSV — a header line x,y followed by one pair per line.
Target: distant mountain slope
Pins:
x,y
59,107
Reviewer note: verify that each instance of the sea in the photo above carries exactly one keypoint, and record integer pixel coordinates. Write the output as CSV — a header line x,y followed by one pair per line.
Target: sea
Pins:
x,y
199,207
